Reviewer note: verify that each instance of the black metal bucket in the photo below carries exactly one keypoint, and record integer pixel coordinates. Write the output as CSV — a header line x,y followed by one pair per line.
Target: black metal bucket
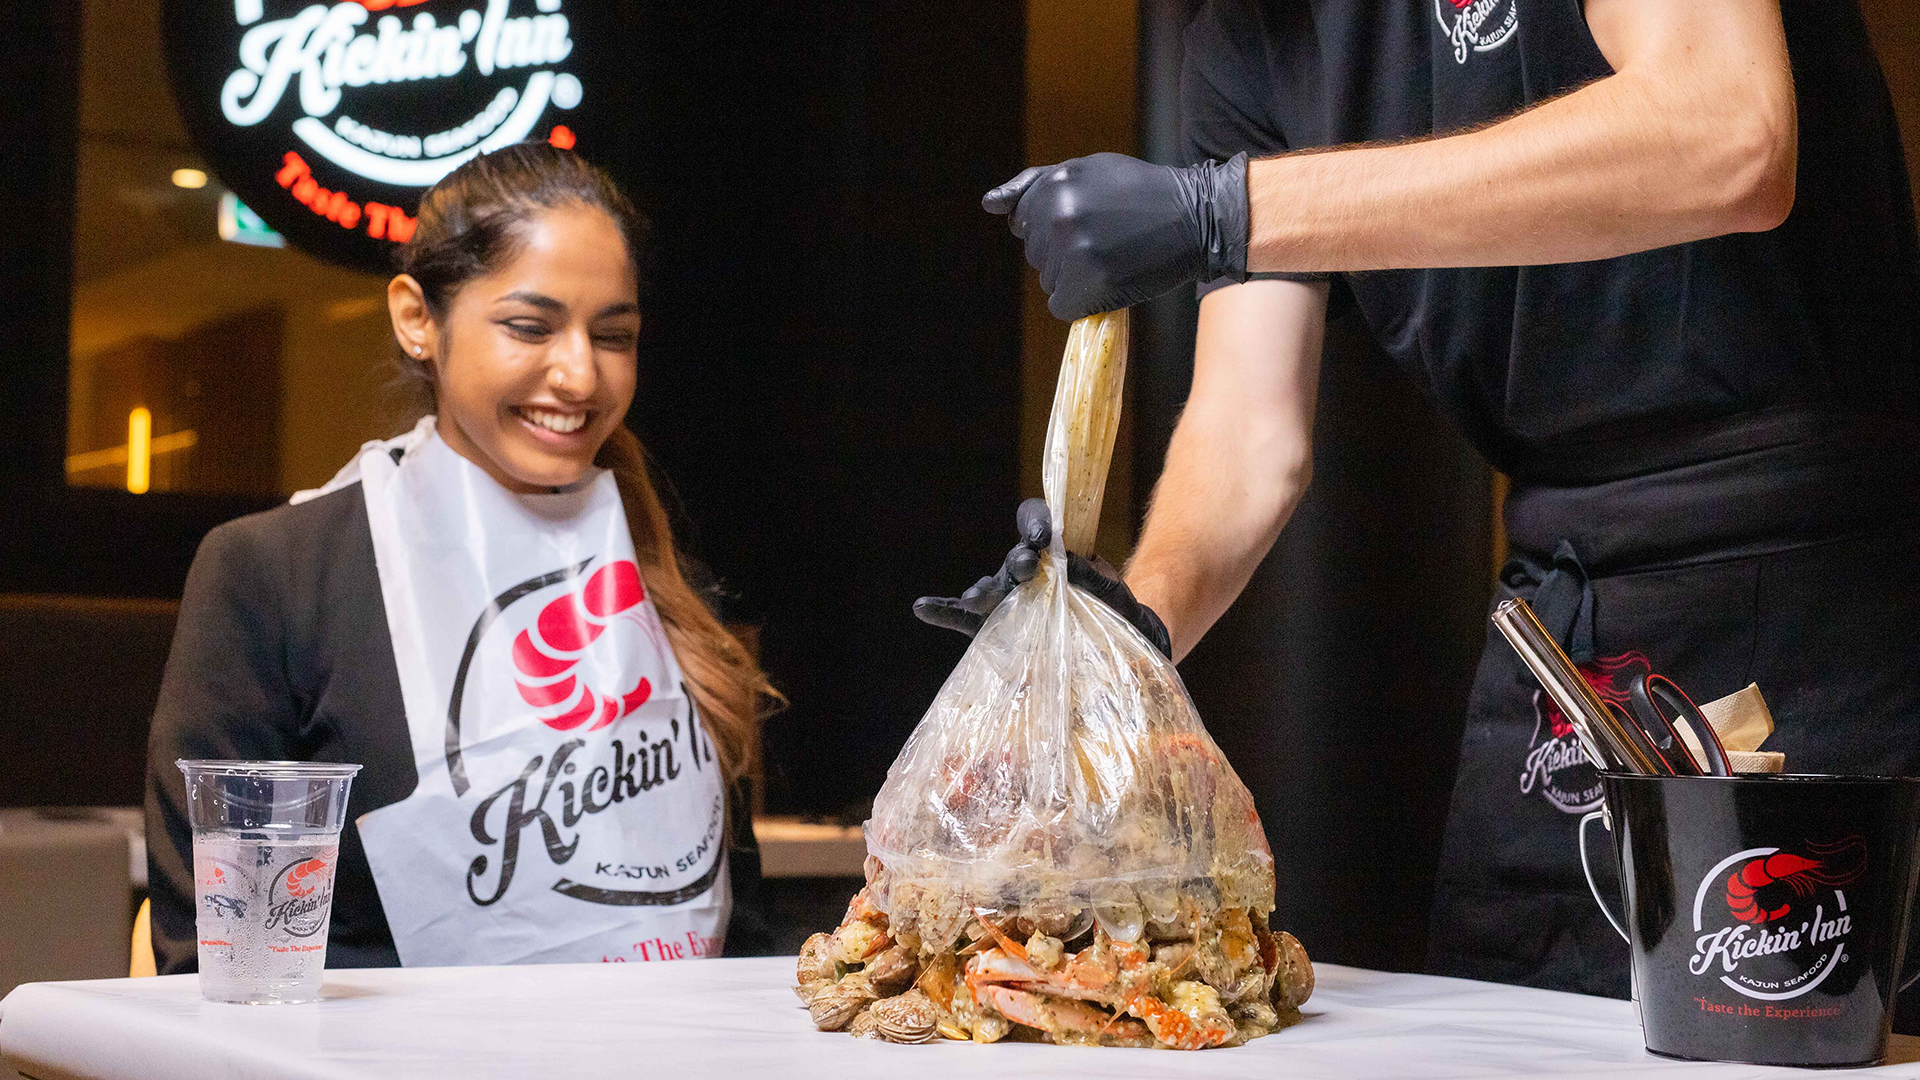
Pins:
x,y
1768,915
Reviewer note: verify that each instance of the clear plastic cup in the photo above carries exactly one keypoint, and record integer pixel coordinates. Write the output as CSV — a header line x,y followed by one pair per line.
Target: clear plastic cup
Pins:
x,y
266,835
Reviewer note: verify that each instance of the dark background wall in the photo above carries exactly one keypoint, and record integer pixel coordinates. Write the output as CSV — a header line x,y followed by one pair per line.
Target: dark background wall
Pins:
x,y
834,387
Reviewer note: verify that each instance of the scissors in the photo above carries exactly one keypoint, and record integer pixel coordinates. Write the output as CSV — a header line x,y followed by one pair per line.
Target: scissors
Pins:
x,y
1650,700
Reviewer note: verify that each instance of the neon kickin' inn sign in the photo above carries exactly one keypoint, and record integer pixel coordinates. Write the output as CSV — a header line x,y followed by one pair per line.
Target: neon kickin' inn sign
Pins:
x,y
330,119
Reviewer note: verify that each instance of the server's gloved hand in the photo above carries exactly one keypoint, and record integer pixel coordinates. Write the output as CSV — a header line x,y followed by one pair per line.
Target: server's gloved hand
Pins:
x,y
968,611
1109,231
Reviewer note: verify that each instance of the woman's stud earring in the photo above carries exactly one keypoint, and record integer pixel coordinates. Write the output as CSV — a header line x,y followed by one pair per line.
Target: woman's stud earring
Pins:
x,y
416,350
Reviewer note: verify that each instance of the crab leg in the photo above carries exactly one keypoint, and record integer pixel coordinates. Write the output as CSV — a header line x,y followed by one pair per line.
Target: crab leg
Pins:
x,y
995,967
1174,1026
1007,944
1059,1018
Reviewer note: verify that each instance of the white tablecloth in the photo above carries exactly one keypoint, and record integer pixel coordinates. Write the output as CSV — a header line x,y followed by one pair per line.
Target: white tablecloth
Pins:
x,y
738,1017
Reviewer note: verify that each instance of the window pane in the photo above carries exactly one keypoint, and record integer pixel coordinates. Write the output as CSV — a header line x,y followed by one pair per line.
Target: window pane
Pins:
x,y
223,365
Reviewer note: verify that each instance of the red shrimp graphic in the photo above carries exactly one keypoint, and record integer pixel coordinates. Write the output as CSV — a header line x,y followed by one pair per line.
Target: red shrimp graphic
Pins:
x,y
566,627
297,883
1839,863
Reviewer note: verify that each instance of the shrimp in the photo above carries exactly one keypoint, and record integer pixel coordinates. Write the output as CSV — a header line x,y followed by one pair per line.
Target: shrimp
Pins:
x,y
1796,872
297,883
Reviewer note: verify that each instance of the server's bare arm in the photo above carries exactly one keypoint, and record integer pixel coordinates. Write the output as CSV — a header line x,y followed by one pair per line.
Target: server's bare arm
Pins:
x,y
1240,457
1692,136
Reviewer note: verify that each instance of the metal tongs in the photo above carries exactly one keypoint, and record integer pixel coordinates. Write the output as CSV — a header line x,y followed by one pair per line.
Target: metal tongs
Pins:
x,y
1645,740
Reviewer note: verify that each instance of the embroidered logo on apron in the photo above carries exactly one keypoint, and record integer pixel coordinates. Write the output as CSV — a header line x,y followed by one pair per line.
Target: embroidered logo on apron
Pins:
x,y
1475,26
1773,924
1556,766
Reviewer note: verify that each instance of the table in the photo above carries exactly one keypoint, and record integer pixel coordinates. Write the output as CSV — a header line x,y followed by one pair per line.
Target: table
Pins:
x,y
738,1017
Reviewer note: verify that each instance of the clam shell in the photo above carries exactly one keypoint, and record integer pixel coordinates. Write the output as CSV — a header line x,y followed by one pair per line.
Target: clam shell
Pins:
x,y
909,1018
835,1006
1248,986
864,1026
816,960
895,967
1294,983
1256,1014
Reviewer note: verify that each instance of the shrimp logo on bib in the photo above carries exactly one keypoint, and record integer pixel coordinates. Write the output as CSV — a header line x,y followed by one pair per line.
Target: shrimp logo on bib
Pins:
x,y
1476,26
1773,924
546,673
576,656
570,806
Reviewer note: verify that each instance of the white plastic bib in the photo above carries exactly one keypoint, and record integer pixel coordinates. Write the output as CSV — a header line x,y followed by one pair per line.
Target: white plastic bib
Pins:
x,y
570,807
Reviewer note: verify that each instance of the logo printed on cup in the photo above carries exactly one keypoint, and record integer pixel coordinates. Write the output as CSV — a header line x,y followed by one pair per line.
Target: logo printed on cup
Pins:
x,y
224,888
300,896
1795,892
1772,924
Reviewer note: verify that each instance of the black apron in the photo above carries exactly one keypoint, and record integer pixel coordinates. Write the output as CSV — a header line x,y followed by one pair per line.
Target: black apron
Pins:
x,y
1781,548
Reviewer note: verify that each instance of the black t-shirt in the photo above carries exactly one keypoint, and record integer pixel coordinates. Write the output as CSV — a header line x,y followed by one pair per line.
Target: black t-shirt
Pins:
x,y
1540,364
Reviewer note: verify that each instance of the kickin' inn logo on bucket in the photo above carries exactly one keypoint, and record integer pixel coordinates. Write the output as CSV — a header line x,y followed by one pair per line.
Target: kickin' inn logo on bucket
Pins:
x,y
1772,924
330,119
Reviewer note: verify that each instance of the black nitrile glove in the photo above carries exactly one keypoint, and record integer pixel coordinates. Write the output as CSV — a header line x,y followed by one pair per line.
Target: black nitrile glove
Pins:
x,y
968,611
1109,231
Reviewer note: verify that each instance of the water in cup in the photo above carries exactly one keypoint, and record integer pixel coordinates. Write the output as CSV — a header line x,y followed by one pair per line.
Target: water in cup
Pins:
x,y
266,836
265,902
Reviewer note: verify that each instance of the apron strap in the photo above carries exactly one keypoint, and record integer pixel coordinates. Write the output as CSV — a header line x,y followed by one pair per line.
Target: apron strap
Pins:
x,y
1562,598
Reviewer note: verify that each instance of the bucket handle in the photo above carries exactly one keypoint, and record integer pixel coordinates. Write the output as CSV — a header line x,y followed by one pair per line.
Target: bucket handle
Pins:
x,y
1586,867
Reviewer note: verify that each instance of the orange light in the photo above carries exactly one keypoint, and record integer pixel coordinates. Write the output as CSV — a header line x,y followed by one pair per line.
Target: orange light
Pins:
x,y
562,137
139,449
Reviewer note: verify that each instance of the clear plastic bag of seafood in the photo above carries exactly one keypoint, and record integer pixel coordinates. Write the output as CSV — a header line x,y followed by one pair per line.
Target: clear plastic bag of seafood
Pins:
x,y
1060,851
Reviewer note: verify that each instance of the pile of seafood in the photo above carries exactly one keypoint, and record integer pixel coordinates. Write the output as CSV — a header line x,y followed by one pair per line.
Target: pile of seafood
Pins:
x,y
1061,851
1188,984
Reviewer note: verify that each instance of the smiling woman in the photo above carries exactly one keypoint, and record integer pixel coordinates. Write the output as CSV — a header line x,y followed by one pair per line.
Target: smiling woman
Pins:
x,y
489,614
532,363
